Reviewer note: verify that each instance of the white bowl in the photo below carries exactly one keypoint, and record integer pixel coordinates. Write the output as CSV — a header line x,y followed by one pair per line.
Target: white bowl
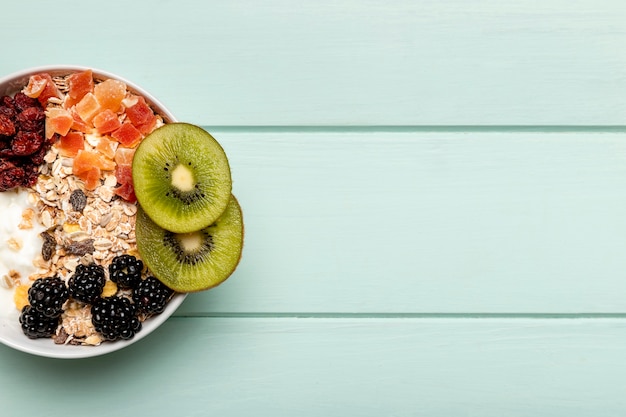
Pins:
x,y
10,330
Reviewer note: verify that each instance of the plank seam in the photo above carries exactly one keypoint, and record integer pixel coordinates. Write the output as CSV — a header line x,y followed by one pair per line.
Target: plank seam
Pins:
x,y
418,128
337,315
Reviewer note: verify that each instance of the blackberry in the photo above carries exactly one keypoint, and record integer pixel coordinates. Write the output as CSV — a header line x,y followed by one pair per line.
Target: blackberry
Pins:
x,y
47,296
36,325
115,318
125,271
87,283
151,296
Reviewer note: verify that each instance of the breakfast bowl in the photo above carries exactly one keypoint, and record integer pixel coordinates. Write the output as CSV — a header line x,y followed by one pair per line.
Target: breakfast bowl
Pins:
x,y
25,257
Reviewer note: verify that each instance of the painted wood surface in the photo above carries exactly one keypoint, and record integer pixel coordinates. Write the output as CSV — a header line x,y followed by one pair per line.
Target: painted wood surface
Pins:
x,y
326,62
313,367
479,221
418,241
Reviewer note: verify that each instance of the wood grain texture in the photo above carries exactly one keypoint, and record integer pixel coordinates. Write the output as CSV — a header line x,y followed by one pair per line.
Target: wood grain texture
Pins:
x,y
313,367
426,222
404,62
411,249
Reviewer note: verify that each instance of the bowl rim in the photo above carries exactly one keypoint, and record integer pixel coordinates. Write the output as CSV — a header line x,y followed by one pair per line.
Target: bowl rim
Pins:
x,y
18,79
14,82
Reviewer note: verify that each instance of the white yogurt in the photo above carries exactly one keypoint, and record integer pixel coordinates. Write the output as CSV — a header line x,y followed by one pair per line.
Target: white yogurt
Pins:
x,y
12,205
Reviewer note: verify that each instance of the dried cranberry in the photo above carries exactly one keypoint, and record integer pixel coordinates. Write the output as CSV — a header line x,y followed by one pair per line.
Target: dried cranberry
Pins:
x,y
7,101
38,157
26,143
22,143
6,164
31,119
31,177
11,178
31,125
22,101
5,143
8,111
7,127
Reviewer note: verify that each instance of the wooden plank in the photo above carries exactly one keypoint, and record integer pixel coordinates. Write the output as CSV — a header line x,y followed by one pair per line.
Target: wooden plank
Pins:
x,y
323,62
426,222
313,367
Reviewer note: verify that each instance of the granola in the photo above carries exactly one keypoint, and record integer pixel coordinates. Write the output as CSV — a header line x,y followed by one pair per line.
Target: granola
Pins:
x,y
85,220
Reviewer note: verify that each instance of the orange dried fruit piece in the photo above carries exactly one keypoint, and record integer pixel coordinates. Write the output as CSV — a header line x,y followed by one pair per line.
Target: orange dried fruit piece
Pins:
x,y
124,156
148,126
88,166
88,107
107,147
127,192
91,178
59,121
124,174
110,94
139,113
80,83
50,90
70,144
106,121
84,161
36,85
79,124
127,135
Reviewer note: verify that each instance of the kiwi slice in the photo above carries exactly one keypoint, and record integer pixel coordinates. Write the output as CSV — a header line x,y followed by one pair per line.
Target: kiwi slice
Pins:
x,y
194,261
181,177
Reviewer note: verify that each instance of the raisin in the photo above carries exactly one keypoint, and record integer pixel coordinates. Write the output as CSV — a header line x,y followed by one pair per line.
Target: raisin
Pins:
x,y
7,127
22,101
78,200
48,247
26,143
80,248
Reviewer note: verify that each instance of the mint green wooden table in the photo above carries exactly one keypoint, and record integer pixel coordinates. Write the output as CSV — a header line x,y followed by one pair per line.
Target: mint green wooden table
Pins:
x,y
435,203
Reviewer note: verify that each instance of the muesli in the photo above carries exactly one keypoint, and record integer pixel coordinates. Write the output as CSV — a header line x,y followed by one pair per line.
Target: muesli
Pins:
x,y
69,142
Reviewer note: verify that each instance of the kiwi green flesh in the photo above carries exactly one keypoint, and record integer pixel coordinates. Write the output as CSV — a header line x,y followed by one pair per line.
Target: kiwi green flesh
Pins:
x,y
181,177
209,258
